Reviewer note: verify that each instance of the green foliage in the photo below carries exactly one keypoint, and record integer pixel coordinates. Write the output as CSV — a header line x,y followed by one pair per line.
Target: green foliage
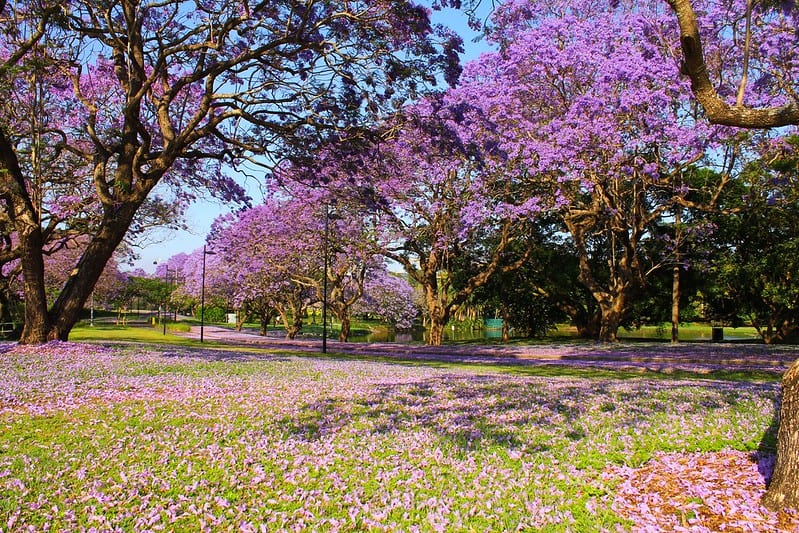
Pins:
x,y
755,269
215,314
541,292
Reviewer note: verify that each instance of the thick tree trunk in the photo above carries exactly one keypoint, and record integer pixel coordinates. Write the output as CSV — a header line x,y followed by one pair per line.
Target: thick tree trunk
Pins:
x,y
25,219
587,325
783,490
65,311
436,336
612,312
439,316
609,328
296,324
36,319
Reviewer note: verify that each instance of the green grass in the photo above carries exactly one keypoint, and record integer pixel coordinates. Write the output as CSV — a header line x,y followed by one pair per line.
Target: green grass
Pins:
x,y
149,335
133,333
177,438
688,332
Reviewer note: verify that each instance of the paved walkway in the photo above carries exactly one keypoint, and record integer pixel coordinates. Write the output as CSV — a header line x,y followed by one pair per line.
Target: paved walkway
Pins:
x,y
636,356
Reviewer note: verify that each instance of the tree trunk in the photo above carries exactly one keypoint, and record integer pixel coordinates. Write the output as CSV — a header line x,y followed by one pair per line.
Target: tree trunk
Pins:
x,y
36,323
609,328
438,319
675,304
436,337
344,334
783,490
587,324
505,320
65,311
295,327
25,219
611,317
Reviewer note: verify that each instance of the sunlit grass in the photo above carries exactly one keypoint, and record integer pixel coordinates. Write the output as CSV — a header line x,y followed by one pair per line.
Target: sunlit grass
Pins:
x,y
138,333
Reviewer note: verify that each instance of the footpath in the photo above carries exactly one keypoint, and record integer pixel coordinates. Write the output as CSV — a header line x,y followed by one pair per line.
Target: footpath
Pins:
x,y
699,357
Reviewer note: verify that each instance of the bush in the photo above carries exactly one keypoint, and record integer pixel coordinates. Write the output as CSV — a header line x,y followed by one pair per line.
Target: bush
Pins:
x,y
214,314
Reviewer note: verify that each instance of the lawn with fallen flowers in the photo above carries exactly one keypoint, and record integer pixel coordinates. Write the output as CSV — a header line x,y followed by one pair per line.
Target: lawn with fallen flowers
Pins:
x,y
180,439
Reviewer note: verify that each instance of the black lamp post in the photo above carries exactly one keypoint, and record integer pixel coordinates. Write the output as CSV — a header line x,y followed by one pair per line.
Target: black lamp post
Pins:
x,y
166,300
202,294
328,217
324,283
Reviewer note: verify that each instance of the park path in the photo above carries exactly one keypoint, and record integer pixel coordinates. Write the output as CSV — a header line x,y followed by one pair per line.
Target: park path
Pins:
x,y
633,356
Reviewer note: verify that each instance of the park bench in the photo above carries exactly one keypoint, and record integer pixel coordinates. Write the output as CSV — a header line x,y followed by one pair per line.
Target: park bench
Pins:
x,y
7,329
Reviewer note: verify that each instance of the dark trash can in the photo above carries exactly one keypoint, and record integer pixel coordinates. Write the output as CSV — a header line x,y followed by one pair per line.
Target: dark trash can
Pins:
x,y
717,334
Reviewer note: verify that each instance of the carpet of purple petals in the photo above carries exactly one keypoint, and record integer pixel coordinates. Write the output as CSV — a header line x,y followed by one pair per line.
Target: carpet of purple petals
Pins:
x,y
102,439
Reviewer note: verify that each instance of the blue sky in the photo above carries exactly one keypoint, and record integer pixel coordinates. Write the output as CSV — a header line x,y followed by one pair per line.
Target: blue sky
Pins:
x,y
165,243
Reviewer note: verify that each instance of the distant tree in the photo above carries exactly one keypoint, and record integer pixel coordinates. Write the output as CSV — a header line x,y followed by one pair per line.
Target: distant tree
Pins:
x,y
755,266
388,297
276,252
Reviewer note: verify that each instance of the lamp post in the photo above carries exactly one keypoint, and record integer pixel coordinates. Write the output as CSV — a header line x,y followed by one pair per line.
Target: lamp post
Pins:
x,y
166,300
202,294
324,282
328,217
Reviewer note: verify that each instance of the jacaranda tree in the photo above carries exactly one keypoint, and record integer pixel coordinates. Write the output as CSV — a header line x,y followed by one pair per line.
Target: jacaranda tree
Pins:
x,y
390,298
597,127
432,198
171,92
275,252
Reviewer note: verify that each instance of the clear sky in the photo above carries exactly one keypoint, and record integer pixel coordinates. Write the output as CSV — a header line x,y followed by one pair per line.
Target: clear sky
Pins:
x,y
165,243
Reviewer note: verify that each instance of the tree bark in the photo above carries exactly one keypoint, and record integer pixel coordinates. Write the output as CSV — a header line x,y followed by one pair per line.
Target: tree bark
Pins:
x,y
436,337
344,334
439,313
65,311
675,304
611,318
505,322
26,223
717,110
783,490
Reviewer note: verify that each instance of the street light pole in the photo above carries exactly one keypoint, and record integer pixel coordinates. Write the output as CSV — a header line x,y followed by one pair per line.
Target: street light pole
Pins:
x,y
324,283
166,282
202,294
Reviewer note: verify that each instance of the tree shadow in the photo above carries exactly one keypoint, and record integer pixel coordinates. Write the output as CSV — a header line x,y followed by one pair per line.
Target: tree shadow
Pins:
x,y
473,412
766,454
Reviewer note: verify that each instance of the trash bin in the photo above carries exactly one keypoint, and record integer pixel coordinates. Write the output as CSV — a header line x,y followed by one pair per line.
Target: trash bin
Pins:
x,y
717,334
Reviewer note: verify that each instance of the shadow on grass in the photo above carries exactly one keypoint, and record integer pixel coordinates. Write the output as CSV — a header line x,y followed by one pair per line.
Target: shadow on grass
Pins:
x,y
474,412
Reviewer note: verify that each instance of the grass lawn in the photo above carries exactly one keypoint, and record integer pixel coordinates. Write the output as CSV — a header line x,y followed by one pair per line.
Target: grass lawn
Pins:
x,y
134,333
187,439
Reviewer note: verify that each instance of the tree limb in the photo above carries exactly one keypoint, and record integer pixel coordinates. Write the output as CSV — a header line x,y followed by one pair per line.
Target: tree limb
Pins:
x,y
717,110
